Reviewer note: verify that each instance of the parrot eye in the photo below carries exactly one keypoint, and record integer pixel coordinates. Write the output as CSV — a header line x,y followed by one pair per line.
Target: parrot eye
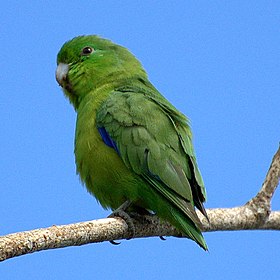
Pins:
x,y
87,50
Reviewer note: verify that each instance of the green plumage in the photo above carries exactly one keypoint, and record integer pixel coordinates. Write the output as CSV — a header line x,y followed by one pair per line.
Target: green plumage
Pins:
x,y
130,143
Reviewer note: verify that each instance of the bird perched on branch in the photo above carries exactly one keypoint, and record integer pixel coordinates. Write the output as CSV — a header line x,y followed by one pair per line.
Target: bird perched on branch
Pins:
x,y
133,148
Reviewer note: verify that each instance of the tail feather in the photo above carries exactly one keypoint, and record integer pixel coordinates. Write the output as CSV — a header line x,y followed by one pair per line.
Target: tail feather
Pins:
x,y
181,213
189,229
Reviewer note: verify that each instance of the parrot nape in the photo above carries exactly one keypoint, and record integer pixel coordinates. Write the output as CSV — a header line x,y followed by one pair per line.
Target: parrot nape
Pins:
x,y
132,147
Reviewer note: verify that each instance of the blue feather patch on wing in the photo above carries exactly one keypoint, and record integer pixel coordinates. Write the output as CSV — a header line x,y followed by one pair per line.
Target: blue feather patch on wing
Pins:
x,y
107,139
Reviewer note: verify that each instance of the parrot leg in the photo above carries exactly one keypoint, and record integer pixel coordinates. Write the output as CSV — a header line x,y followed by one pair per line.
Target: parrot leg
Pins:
x,y
120,212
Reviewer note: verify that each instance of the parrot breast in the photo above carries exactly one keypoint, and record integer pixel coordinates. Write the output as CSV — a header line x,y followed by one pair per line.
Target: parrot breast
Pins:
x,y
99,165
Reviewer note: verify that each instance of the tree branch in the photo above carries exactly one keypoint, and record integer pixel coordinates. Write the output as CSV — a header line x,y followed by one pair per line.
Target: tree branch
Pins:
x,y
255,214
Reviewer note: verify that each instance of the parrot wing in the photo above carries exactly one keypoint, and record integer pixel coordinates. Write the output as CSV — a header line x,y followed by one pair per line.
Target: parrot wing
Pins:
x,y
154,140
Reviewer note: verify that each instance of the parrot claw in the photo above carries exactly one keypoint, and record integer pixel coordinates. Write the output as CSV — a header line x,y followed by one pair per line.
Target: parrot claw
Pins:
x,y
114,242
162,238
120,212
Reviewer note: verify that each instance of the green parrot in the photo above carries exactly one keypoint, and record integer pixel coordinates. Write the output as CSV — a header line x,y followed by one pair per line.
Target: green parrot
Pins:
x,y
133,148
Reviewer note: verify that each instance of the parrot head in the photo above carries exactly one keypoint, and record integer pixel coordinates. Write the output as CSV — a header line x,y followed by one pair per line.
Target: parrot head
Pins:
x,y
87,62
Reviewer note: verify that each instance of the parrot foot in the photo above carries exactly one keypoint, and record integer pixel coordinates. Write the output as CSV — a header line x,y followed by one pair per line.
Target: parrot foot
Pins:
x,y
143,219
120,212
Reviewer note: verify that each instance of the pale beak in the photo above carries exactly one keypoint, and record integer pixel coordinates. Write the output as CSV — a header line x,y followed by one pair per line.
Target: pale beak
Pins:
x,y
61,73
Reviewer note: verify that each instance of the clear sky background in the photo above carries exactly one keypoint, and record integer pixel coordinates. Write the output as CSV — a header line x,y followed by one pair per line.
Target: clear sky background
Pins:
x,y
216,61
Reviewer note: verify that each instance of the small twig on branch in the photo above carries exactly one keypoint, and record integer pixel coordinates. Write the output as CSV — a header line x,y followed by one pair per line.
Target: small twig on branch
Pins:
x,y
262,201
255,214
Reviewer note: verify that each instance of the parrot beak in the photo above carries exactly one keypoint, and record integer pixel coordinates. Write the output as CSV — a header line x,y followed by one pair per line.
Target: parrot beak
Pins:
x,y
61,73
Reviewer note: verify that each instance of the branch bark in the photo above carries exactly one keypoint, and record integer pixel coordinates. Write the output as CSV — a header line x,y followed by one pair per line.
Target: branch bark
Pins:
x,y
255,214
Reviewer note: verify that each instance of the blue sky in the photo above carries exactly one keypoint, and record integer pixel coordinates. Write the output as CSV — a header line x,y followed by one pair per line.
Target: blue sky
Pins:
x,y
216,61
